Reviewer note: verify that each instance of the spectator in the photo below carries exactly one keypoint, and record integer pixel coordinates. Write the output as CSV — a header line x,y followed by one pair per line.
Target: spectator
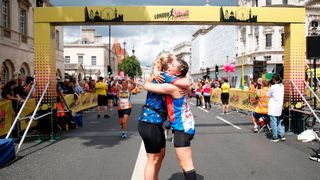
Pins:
x,y
1,87
65,86
225,89
261,109
8,93
276,94
92,85
86,87
207,94
28,85
101,89
78,88
198,93
18,90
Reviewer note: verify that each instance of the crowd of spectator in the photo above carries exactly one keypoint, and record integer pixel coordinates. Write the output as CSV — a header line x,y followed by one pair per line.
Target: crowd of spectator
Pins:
x,y
17,90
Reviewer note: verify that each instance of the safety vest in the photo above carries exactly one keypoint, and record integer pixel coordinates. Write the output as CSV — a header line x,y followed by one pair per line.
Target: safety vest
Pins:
x,y
263,100
60,110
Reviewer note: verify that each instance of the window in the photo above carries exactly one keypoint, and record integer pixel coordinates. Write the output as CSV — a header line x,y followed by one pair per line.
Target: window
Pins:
x,y
93,60
268,40
23,21
22,71
282,39
67,59
5,13
80,59
268,2
284,1
57,39
267,58
257,42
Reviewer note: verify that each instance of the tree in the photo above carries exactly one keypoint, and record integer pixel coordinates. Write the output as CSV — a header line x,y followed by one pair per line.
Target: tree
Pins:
x,y
131,67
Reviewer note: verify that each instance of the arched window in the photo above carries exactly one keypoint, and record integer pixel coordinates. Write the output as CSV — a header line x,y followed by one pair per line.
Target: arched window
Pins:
x,y
25,70
8,70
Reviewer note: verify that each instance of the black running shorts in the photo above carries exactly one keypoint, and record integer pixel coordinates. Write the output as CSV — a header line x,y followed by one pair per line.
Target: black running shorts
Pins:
x,y
152,136
102,100
181,139
122,112
225,98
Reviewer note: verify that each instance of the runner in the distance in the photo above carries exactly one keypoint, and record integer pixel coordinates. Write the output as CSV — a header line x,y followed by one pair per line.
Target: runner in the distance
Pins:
x,y
181,118
124,104
152,117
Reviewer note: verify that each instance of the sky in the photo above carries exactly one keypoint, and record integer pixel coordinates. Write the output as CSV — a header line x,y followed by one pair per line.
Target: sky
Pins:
x,y
147,40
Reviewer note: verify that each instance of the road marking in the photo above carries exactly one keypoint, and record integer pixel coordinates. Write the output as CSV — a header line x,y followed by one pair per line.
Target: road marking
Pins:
x,y
138,171
200,107
228,122
203,109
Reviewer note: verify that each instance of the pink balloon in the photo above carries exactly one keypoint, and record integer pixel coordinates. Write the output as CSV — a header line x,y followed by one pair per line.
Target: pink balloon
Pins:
x,y
226,67
232,68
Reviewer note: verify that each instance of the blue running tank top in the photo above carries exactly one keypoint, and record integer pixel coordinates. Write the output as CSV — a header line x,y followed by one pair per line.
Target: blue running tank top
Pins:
x,y
180,115
154,111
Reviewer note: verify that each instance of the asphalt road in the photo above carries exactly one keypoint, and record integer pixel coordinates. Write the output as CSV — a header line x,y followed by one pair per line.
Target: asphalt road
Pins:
x,y
224,148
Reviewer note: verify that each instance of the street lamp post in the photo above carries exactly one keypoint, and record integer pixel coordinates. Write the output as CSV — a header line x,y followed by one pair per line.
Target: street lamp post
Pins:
x,y
202,69
124,56
109,47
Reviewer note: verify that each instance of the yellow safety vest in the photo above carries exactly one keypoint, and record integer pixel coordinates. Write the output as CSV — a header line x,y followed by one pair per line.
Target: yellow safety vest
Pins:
x,y
263,100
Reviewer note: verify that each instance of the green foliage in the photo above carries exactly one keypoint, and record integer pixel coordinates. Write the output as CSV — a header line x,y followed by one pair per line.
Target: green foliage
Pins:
x,y
131,67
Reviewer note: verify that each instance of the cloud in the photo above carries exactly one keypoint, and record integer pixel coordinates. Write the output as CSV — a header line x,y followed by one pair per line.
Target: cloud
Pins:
x,y
147,40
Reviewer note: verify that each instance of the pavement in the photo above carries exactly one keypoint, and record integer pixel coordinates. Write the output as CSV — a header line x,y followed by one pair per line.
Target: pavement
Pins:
x,y
224,148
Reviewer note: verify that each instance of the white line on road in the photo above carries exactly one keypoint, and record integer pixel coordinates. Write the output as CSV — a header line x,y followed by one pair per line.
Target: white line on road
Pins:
x,y
200,107
228,122
138,171
203,109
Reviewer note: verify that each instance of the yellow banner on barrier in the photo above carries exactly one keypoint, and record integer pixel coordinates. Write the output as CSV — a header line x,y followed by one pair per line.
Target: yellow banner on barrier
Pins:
x,y
239,99
84,101
6,116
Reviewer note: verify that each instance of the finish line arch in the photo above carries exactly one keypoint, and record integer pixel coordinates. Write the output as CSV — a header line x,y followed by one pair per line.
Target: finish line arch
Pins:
x,y
293,20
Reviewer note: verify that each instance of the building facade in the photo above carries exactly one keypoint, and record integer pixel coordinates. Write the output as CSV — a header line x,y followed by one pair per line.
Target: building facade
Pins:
x,y
259,48
263,46
211,46
16,39
92,53
183,51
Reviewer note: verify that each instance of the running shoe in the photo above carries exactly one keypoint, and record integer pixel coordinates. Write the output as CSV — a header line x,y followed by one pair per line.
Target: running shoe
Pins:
x,y
98,115
274,140
315,157
124,135
255,129
283,138
106,116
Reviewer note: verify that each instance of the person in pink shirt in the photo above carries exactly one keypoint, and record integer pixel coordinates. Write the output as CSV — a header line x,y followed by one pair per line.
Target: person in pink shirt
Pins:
x,y
206,89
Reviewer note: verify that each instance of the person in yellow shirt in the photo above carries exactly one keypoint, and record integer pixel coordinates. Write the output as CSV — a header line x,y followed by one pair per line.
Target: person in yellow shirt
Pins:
x,y
101,90
225,89
261,109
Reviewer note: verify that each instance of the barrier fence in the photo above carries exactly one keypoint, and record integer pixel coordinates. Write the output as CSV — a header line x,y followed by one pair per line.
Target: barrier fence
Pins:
x,y
7,115
238,99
